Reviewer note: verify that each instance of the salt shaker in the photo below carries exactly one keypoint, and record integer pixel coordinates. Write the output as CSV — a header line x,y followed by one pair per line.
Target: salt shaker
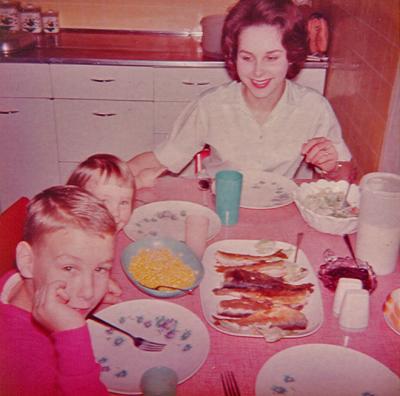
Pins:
x,y
354,313
9,15
343,286
31,19
378,234
50,21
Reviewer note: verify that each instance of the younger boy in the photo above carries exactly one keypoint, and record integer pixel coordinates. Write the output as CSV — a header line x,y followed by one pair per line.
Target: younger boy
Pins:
x,y
63,265
109,179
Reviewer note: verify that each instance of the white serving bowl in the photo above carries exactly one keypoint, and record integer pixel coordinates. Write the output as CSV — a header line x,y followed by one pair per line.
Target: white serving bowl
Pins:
x,y
327,223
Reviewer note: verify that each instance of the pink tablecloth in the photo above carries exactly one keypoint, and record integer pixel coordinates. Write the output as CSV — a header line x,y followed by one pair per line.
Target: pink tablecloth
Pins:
x,y
245,355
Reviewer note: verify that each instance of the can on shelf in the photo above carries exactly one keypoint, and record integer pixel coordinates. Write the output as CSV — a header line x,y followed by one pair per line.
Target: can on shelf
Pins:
x,y
30,18
9,15
50,21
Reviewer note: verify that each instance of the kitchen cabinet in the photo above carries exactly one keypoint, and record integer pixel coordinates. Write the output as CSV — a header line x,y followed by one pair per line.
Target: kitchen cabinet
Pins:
x,y
28,147
101,109
53,116
175,87
123,128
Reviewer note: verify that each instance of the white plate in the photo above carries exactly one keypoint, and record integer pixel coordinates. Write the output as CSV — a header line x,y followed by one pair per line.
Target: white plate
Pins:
x,y
167,219
322,369
265,190
212,279
123,364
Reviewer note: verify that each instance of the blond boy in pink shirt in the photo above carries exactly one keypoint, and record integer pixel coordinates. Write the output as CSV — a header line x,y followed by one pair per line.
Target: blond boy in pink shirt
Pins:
x,y
63,264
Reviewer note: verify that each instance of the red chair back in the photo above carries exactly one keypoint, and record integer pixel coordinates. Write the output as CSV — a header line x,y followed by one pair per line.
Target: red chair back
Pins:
x,y
11,230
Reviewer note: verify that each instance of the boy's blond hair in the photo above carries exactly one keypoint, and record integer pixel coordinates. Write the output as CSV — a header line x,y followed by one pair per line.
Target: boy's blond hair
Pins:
x,y
59,207
98,165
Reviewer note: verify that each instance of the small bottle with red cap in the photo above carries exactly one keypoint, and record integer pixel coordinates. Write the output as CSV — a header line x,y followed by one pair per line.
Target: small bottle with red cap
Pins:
x,y
201,173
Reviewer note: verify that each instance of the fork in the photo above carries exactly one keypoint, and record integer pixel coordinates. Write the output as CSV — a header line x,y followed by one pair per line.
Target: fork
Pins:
x,y
139,342
229,384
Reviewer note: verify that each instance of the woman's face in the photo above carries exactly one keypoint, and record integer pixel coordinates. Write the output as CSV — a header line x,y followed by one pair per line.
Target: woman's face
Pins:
x,y
262,62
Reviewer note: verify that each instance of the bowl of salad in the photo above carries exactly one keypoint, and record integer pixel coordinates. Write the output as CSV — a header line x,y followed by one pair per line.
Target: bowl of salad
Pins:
x,y
324,206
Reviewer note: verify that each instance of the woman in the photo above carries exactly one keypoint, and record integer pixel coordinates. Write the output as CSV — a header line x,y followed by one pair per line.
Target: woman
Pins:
x,y
261,120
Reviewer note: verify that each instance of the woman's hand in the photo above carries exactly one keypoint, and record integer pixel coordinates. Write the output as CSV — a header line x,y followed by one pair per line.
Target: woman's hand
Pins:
x,y
50,308
321,153
113,293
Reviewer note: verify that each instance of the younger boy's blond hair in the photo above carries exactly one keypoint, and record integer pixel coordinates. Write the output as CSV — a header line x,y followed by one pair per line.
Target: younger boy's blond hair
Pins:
x,y
99,165
60,207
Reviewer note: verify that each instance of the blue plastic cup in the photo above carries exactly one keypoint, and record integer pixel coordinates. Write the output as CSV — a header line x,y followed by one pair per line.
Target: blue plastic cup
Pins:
x,y
228,188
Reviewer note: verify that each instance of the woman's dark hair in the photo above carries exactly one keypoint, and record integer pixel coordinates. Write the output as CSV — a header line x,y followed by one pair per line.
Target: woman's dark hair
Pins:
x,y
281,13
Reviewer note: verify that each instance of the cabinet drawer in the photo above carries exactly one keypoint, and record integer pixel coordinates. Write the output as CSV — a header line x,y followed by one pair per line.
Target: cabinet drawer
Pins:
x,y
86,127
102,82
19,80
184,84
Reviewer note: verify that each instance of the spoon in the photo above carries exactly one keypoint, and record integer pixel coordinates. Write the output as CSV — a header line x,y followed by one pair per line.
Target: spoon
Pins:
x,y
350,247
189,291
298,242
344,202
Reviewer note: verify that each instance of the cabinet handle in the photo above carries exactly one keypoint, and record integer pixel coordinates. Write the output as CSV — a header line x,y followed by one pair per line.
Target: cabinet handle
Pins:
x,y
195,83
105,80
104,114
9,112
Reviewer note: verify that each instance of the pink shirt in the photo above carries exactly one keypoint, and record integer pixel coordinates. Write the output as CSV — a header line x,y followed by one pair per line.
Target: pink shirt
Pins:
x,y
36,363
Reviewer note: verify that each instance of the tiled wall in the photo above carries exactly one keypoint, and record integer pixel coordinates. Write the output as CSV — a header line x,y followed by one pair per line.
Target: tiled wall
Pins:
x,y
365,52
160,15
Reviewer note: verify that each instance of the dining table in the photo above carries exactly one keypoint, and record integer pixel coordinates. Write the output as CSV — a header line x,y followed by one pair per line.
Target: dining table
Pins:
x,y
245,356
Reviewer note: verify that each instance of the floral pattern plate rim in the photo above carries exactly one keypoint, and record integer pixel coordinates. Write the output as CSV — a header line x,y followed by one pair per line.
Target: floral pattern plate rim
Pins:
x,y
167,219
344,372
122,364
266,190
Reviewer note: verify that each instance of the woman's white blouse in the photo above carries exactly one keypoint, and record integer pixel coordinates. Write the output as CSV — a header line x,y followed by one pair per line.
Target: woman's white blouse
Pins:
x,y
221,118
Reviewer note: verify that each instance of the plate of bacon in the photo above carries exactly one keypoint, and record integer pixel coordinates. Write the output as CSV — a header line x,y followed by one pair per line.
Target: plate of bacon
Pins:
x,y
255,290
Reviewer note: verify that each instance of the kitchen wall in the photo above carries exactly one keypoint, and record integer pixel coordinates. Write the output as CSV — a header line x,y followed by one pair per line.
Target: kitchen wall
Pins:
x,y
159,15
364,53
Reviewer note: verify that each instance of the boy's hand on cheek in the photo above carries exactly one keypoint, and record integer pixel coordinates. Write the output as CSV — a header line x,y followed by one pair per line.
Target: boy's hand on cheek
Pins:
x,y
50,308
113,293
